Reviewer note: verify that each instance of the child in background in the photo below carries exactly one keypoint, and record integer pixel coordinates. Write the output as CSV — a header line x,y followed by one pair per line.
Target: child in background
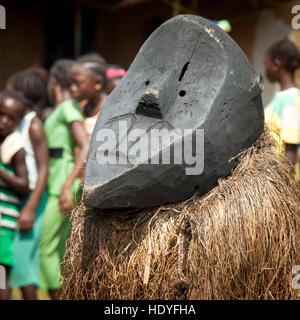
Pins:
x,y
13,177
25,273
282,115
35,86
114,74
64,130
89,84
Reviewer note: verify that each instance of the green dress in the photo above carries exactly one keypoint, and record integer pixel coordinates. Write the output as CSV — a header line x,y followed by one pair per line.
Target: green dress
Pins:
x,y
56,226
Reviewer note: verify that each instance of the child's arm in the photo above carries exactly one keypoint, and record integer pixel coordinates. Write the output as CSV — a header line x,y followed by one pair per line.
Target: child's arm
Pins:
x,y
81,139
289,132
19,181
291,152
39,143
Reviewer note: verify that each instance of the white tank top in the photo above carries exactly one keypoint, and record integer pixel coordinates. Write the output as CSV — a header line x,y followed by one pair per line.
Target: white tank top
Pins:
x,y
29,153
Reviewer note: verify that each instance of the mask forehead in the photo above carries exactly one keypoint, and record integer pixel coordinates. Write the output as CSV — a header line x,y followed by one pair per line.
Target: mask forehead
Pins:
x,y
176,81
197,66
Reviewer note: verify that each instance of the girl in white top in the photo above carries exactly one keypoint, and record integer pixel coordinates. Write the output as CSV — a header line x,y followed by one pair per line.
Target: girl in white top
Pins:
x,y
29,155
25,273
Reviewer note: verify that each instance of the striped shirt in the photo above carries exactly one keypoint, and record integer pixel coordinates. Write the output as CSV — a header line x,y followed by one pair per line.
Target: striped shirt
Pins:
x,y
9,203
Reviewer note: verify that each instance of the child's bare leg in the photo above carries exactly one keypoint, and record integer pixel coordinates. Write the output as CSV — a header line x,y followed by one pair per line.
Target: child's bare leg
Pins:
x,y
54,294
29,293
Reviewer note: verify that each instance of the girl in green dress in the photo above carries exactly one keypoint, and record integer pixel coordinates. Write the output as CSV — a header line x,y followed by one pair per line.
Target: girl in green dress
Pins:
x,y
64,131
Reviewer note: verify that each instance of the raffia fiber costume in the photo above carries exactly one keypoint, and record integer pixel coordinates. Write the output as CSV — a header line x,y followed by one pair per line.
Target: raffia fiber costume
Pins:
x,y
240,241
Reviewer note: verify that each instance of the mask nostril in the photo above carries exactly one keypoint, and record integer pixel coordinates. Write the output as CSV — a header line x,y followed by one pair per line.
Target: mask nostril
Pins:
x,y
182,93
149,104
158,96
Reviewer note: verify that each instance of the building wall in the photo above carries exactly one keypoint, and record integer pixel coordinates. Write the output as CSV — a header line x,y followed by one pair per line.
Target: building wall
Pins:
x,y
121,33
118,34
22,42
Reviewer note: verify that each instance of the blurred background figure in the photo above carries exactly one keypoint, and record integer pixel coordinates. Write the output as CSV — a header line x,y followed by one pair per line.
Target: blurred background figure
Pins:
x,y
114,74
26,270
89,84
282,114
64,130
32,84
13,177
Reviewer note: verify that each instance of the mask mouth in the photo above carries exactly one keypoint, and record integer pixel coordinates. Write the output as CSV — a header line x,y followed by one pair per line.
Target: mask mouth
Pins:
x,y
148,105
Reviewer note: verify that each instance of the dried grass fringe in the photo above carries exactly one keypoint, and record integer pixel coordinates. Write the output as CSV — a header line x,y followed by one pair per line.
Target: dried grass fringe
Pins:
x,y
240,241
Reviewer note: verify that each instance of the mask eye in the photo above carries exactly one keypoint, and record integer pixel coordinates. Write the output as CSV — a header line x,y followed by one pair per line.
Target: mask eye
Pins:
x,y
147,83
183,71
